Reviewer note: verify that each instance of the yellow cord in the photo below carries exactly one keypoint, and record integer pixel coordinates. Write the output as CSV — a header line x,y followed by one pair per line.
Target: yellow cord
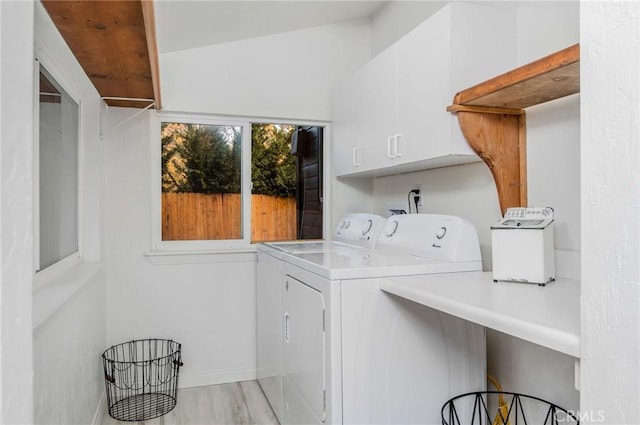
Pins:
x,y
503,407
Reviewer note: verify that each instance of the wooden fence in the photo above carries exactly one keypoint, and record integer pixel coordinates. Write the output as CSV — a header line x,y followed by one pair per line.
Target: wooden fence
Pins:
x,y
199,216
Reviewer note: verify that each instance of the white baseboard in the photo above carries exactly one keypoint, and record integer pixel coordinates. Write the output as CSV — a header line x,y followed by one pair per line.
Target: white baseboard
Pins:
x,y
101,410
202,379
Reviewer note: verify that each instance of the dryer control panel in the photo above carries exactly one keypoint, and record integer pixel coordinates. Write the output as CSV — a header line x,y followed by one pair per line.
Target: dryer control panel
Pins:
x,y
359,228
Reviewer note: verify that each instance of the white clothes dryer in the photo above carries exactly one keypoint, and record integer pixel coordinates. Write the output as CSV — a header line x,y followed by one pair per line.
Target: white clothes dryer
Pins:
x,y
356,229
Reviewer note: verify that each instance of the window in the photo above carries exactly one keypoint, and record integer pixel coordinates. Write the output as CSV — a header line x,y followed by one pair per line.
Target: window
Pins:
x,y
225,184
286,196
56,182
201,181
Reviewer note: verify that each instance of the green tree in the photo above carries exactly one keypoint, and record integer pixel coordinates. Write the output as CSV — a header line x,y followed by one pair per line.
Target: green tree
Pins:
x,y
201,158
273,168
207,159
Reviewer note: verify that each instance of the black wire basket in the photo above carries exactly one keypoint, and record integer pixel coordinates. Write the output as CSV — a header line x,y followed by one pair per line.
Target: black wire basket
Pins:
x,y
141,377
477,408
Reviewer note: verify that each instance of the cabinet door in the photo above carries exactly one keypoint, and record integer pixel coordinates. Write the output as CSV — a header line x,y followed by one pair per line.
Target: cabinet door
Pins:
x,y
455,48
304,382
365,117
379,106
424,89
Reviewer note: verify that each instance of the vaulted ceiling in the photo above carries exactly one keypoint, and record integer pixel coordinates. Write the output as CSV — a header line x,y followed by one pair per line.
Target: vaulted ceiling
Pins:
x,y
187,24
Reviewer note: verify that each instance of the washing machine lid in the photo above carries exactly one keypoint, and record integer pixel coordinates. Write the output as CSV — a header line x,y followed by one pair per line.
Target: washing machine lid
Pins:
x,y
298,246
358,263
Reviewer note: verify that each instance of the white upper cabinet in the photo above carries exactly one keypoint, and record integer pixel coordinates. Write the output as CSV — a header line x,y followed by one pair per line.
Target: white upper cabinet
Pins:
x,y
390,116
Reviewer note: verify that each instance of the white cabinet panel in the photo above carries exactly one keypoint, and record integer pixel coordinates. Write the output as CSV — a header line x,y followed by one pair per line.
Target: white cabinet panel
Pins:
x,y
269,329
398,355
347,124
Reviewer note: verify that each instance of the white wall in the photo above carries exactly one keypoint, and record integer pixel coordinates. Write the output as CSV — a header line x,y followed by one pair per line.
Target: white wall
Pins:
x,y
289,75
69,317
395,19
209,307
610,155
560,27
553,129
16,227
68,378
553,151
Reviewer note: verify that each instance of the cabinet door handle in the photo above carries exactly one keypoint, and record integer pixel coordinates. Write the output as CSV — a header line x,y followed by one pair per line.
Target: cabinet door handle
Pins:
x,y
390,147
286,327
354,157
396,143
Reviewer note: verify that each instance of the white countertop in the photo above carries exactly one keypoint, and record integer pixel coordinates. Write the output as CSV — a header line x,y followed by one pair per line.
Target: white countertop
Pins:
x,y
545,315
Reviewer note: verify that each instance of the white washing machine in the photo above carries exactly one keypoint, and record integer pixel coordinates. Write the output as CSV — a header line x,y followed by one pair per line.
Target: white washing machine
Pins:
x,y
356,355
357,229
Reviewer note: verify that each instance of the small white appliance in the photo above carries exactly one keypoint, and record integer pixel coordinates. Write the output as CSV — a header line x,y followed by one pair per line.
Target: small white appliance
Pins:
x,y
522,246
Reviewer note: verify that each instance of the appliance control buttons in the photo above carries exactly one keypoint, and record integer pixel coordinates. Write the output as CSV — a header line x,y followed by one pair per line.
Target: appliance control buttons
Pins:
x,y
366,226
391,228
441,232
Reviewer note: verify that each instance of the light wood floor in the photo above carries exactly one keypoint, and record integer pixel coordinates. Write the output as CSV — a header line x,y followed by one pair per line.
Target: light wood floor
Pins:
x,y
239,403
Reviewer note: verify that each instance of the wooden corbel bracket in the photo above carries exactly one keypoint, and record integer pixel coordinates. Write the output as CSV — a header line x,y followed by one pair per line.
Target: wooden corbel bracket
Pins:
x,y
493,120
499,139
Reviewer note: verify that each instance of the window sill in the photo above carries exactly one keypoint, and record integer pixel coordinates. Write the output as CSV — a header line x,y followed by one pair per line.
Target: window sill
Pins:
x,y
230,255
51,295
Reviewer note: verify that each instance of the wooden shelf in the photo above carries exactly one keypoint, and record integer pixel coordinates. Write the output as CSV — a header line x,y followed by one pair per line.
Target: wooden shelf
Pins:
x,y
493,121
546,79
115,43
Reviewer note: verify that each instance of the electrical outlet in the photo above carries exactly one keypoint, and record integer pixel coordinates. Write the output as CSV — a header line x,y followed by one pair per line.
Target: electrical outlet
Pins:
x,y
421,200
419,195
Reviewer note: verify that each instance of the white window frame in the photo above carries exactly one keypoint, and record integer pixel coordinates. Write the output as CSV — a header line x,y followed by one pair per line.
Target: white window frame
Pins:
x,y
157,244
42,59
162,248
